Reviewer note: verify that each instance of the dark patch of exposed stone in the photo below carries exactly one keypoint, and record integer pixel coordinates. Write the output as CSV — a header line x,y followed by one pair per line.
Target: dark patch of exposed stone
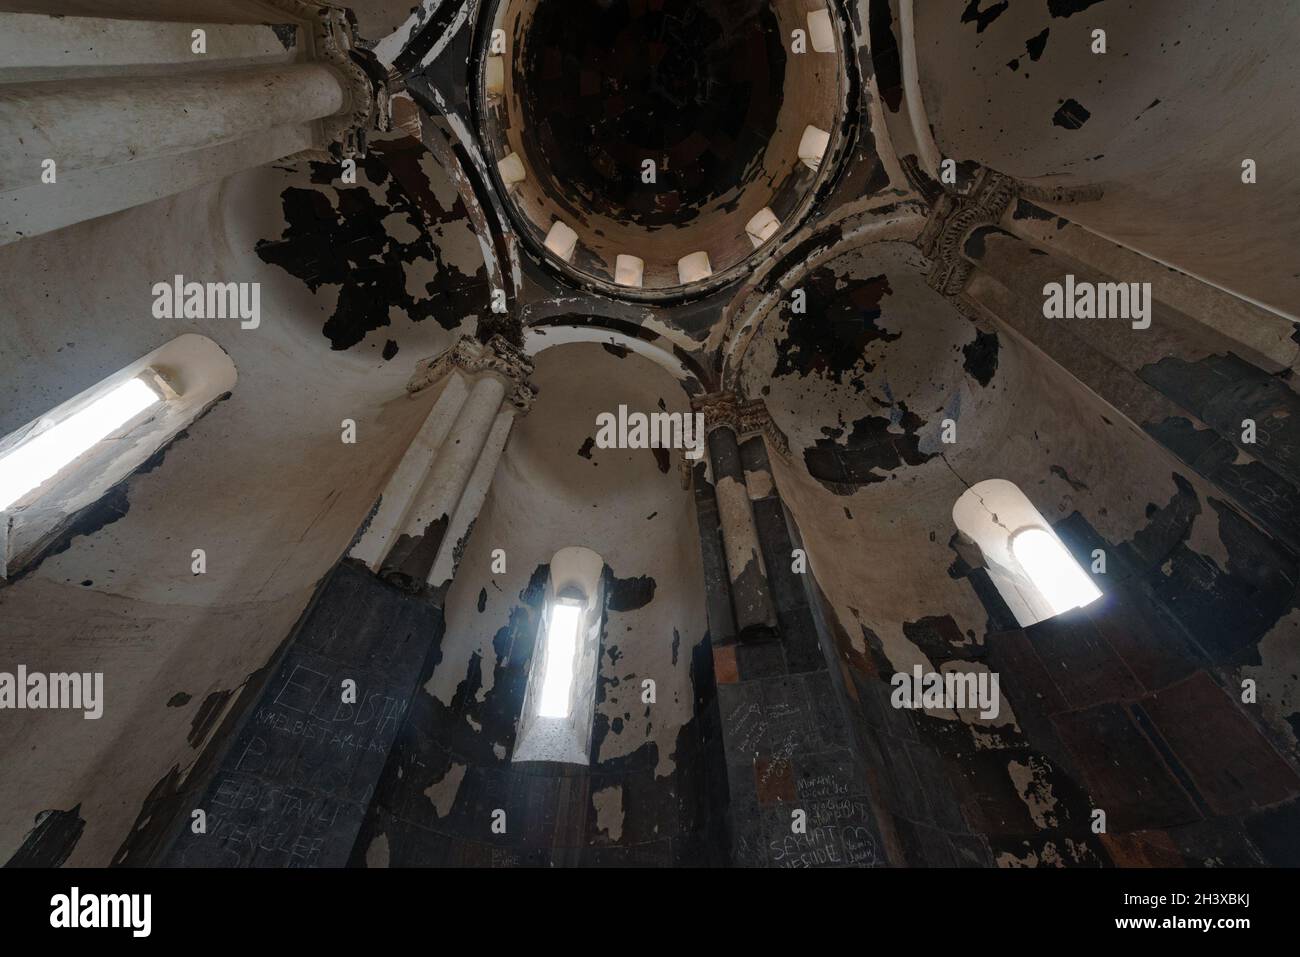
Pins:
x,y
1071,115
206,716
841,461
51,841
981,356
1064,476
1067,8
628,594
885,58
342,242
982,18
831,336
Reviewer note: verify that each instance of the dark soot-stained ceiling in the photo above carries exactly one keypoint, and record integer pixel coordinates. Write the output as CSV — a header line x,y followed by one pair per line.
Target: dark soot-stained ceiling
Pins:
x,y
703,89
695,83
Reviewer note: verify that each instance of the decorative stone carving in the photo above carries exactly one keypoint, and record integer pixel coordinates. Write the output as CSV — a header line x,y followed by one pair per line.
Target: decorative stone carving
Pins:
x,y
952,219
366,81
497,357
745,417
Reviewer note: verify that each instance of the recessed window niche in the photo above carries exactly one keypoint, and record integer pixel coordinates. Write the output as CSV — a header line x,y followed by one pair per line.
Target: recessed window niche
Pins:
x,y
560,700
67,459
1034,572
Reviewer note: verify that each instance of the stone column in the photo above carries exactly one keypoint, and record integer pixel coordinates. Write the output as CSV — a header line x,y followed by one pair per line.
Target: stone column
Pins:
x,y
290,779
435,493
101,114
800,646
755,615
780,722
717,587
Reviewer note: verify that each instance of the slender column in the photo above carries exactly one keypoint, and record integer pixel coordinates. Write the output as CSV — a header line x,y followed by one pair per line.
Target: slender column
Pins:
x,y
798,634
411,559
435,492
755,615
717,587
750,593
281,753
96,126
1260,330
409,475
472,498
1203,371
781,702
98,123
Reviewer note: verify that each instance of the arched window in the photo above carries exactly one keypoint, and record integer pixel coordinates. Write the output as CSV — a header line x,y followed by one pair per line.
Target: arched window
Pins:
x,y
1032,569
65,460
560,700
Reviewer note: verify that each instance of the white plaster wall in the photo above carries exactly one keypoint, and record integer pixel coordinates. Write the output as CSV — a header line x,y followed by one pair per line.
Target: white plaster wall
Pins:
x,y
1184,93
546,497
887,563
263,483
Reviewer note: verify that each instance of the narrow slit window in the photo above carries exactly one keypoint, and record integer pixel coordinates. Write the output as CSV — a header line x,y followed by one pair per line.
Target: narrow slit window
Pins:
x,y
67,458
561,658
559,706
1053,570
1026,561
44,454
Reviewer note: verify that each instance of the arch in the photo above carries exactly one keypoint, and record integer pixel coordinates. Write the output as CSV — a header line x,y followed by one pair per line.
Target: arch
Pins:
x,y
1027,561
631,338
744,316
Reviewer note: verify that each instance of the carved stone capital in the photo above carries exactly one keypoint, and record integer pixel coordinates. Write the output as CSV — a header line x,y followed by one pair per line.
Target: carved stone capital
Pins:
x,y
496,357
951,221
743,416
366,82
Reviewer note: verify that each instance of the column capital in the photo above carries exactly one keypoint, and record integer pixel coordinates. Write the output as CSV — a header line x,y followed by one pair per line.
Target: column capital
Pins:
x,y
365,80
952,219
495,357
743,416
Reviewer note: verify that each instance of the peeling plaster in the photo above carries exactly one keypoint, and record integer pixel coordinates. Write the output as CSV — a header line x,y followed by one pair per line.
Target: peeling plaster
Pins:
x,y
443,792
608,803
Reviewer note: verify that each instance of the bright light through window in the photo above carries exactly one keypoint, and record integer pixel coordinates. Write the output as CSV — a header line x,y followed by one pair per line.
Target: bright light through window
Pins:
x,y
40,458
1053,570
561,656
